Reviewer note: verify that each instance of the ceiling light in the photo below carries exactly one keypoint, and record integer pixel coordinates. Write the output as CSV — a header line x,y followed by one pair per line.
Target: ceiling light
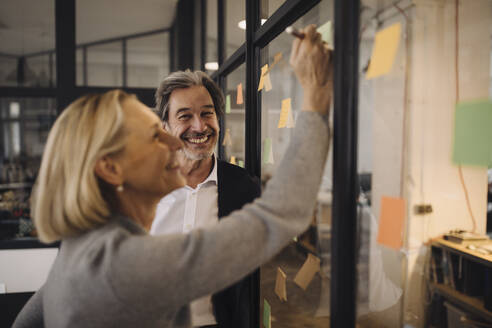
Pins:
x,y
212,66
242,24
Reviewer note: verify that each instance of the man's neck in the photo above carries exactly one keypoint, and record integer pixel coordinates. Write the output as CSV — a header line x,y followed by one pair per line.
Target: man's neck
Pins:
x,y
196,171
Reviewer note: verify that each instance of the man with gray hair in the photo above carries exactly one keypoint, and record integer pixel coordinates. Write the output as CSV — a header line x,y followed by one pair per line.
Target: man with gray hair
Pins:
x,y
190,105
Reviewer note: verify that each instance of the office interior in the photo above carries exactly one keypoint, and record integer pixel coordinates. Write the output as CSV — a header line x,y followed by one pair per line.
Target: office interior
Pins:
x,y
400,232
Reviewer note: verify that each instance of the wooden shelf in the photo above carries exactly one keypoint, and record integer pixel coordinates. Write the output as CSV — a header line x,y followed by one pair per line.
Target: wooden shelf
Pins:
x,y
473,305
16,185
461,249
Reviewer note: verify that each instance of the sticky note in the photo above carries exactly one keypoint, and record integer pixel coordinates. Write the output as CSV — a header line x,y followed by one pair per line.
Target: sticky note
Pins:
x,y
326,31
473,133
391,220
233,160
276,59
227,138
267,315
228,104
265,79
267,151
240,163
239,99
308,270
3,290
286,119
280,285
384,51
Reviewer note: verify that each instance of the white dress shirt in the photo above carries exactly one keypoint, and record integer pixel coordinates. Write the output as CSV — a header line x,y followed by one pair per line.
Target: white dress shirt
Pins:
x,y
183,210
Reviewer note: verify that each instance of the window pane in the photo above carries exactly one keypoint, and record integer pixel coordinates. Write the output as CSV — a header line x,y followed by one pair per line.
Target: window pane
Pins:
x,y
235,35
310,307
148,60
234,121
268,7
105,65
28,29
211,41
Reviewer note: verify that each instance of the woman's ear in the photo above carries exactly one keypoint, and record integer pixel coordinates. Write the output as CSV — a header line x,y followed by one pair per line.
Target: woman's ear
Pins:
x,y
109,170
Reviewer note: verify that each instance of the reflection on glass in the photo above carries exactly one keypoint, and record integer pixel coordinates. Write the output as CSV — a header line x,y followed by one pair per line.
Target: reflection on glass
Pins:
x,y
280,107
104,64
25,124
234,118
147,60
28,35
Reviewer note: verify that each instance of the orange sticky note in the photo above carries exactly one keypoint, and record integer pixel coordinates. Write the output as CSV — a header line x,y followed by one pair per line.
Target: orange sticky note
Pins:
x,y
286,115
280,285
308,270
391,222
239,99
227,138
384,51
233,160
265,79
276,59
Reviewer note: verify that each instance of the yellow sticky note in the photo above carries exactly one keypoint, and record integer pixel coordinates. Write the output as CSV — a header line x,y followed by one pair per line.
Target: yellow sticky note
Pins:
x,y
280,285
307,271
228,104
265,79
233,160
391,220
326,31
239,99
276,59
285,113
227,138
384,51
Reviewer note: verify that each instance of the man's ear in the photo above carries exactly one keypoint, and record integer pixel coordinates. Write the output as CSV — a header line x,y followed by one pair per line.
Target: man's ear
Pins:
x,y
109,170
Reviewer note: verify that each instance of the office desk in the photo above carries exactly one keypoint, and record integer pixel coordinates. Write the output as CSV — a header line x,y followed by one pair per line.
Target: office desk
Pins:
x,y
471,304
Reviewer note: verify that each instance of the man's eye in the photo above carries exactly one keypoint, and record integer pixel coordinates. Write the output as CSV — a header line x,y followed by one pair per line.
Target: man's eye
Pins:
x,y
207,113
184,117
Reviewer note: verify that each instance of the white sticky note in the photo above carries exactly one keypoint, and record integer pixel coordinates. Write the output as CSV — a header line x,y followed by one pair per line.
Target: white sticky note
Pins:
x,y
3,289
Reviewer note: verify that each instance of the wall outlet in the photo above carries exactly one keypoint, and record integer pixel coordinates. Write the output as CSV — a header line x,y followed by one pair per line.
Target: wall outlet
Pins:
x,y
421,209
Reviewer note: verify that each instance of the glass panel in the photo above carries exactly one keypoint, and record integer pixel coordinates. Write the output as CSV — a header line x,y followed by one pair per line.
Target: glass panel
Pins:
x,y
148,60
105,65
41,70
310,307
8,71
268,7
28,29
211,41
24,128
235,34
80,75
234,121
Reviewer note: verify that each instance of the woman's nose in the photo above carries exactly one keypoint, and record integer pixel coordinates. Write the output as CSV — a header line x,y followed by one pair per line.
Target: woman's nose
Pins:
x,y
171,141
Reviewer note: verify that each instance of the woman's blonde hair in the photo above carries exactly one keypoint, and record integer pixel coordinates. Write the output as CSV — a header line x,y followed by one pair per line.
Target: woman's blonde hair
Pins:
x,y
68,197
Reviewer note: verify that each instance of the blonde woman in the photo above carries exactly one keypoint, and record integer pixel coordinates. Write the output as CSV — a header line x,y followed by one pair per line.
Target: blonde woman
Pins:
x,y
106,165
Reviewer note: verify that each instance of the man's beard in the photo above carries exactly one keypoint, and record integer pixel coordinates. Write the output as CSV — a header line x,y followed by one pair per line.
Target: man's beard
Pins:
x,y
197,157
210,133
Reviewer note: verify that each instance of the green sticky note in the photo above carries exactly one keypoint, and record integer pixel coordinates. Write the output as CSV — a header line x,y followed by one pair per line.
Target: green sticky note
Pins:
x,y
267,147
228,104
240,163
267,315
326,31
473,133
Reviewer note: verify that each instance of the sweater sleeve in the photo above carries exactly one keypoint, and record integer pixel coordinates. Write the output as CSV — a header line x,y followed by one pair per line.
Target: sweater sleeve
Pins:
x,y
172,270
31,314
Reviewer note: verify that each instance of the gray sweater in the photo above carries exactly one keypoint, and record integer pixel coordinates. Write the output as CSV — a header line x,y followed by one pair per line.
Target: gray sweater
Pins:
x,y
119,276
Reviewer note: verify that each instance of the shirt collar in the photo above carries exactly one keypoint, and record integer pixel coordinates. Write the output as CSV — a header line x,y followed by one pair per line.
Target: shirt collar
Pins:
x,y
212,177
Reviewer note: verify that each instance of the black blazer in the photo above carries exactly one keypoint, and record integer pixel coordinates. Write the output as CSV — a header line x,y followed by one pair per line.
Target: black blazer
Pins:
x,y
235,188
